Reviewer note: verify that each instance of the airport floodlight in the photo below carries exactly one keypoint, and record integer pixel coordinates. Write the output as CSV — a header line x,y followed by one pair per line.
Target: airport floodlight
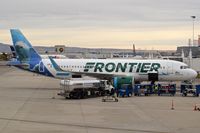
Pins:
x,y
193,19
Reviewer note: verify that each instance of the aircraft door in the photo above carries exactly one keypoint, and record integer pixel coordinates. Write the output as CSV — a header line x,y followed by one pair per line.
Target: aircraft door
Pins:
x,y
166,69
169,68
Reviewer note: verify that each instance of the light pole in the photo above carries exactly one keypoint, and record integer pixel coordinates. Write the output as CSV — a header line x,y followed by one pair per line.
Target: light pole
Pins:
x,y
190,54
193,19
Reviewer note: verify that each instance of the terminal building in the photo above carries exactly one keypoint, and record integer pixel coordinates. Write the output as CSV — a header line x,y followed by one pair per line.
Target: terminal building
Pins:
x,y
186,49
195,48
187,54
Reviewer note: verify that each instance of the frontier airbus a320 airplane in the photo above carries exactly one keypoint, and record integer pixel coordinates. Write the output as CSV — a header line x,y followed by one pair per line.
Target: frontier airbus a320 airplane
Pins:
x,y
140,70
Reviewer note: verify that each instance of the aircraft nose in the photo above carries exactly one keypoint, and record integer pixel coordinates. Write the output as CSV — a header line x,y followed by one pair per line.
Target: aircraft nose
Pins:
x,y
193,74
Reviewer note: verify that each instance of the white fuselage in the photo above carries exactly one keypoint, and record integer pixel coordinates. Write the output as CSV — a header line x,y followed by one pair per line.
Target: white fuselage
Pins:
x,y
168,70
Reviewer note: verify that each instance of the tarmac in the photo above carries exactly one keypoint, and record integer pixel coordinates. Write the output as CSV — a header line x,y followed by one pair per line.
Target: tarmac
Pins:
x,y
29,103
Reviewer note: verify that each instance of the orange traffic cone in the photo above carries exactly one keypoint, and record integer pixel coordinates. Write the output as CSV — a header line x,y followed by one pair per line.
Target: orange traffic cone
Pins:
x,y
195,107
172,108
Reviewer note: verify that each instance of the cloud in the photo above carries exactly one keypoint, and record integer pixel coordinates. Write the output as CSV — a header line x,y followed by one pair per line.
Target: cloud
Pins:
x,y
140,17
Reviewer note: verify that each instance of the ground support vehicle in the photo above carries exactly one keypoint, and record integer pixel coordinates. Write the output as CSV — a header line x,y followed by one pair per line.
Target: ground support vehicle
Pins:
x,y
143,89
82,88
123,86
126,90
190,89
166,89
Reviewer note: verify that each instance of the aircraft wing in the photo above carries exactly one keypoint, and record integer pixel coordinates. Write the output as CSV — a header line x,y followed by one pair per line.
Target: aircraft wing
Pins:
x,y
97,75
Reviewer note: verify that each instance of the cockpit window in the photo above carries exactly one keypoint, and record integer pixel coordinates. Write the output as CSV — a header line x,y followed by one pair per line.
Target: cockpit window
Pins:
x,y
184,67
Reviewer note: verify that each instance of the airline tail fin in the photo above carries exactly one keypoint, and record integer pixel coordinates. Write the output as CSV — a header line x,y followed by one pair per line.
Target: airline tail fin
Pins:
x,y
22,46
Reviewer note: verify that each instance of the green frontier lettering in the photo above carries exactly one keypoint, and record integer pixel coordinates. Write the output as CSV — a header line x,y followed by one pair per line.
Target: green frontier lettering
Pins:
x,y
145,67
99,67
122,67
110,67
131,66
155,67
138,67
119,67
88,66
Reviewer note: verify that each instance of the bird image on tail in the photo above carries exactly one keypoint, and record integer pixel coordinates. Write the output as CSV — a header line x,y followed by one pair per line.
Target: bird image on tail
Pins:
x,y
26,56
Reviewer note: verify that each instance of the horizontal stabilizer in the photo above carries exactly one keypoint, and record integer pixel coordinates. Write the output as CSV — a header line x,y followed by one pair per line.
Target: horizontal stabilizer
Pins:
x,y
17,63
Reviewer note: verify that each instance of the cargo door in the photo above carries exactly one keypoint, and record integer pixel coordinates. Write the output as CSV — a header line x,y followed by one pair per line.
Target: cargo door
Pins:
x,y
153,76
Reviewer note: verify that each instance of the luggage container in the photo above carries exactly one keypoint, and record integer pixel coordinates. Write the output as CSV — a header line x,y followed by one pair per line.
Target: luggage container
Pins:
x,y
143,89
190,89
166,89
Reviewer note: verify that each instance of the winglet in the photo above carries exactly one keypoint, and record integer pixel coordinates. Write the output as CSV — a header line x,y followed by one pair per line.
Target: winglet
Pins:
x,y
59,71
56,67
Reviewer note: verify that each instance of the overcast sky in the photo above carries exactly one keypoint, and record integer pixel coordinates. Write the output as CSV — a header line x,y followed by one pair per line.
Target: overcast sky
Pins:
x,y
150,24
